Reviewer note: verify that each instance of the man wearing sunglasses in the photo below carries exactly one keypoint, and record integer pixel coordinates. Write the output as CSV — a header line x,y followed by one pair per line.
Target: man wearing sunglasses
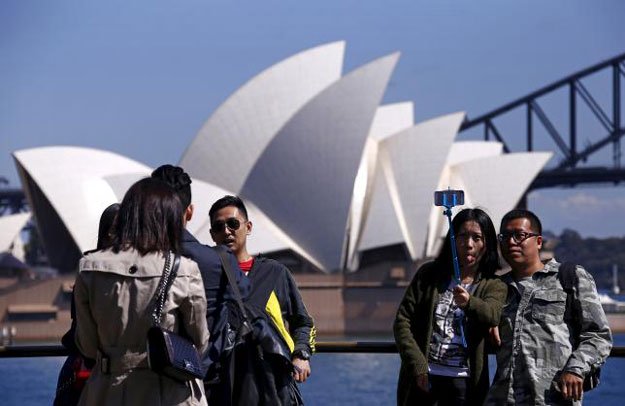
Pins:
x,y
541,360
273,287
215,282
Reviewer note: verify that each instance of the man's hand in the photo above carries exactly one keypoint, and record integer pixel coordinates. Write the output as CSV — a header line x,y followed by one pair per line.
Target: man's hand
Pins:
x,y
423,383
461,296
302,369
493,336
571,386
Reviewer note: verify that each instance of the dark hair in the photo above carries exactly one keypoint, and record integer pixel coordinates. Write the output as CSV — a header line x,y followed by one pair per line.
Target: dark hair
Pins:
x,y
490,260
178,179
106,228
150,218
227,201
535,224
107,220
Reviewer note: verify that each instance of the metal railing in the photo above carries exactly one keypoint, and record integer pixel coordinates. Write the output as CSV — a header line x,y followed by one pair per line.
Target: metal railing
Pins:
x,y
375,347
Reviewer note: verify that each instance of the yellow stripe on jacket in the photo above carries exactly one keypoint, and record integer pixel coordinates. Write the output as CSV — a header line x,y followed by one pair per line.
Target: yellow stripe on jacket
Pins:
x,y
275,313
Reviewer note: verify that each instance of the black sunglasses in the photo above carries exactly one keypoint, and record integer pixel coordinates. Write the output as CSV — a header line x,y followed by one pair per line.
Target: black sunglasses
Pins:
x,y
220,225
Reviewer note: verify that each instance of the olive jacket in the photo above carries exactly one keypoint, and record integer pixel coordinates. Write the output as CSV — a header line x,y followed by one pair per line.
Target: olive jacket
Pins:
x,y
114,295
414,324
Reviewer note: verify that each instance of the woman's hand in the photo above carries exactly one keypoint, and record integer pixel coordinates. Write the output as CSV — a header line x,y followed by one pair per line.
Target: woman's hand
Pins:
x,y
461,296
493,336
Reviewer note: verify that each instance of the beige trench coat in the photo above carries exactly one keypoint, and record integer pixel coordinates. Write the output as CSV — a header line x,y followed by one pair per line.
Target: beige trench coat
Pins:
x,y
113,297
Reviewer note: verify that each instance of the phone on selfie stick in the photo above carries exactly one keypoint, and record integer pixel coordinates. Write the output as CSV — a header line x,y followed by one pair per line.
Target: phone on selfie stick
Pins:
x,y
448,199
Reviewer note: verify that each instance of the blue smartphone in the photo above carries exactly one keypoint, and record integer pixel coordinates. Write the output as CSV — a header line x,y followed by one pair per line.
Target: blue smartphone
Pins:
x,y
449,198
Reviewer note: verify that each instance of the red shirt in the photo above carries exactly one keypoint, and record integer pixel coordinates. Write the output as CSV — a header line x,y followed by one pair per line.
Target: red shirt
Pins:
x,y
246,265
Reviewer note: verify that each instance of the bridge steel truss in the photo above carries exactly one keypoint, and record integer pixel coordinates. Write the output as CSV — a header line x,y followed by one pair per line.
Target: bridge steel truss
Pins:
x,y
567,172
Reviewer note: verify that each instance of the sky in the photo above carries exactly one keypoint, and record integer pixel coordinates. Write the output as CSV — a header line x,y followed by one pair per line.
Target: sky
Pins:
x,y
140,78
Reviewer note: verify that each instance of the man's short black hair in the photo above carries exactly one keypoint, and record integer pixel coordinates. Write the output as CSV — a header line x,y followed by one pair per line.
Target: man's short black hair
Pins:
x,y
228,201
178,179
535,224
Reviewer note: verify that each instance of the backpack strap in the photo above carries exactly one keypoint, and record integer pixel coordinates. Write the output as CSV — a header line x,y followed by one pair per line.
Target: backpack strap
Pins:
x,y
225,263
567,275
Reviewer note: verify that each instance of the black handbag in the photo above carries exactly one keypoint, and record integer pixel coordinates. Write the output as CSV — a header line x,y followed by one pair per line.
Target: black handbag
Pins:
x,y
170,354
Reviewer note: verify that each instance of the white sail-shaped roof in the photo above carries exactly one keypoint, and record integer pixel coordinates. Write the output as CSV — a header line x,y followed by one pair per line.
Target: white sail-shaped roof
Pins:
x,y
323,169
412,161
242,127
202,195
494,183
381,226
461,151
388,120
464,151
72,181
498,183
266,236
10,228
77,184
305,178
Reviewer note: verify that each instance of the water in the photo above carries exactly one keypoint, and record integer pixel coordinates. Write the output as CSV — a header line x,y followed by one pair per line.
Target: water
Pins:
x,y
337,379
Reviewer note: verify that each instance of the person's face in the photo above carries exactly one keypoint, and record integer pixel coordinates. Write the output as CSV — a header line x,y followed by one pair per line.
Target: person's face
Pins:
x,y
519,244
229,227
470,245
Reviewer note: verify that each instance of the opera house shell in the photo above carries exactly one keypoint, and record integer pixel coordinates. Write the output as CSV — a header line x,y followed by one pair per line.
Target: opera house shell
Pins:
x,y
10,228
326,170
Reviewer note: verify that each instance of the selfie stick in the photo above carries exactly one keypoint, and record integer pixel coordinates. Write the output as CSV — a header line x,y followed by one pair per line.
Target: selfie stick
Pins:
x,y
449,201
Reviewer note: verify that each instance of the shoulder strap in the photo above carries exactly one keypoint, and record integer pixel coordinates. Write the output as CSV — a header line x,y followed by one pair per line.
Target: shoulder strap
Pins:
x,y
167,279
225,263
567,275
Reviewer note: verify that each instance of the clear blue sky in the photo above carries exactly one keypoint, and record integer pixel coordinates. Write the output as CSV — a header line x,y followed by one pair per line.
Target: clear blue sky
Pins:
x,y
140,77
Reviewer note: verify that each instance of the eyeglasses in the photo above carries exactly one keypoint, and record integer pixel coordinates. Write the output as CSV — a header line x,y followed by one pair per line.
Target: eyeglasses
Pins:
x,y
517,236
219,226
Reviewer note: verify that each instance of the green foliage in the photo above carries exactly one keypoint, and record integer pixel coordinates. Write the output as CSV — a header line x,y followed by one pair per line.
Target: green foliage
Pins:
x,y
597,256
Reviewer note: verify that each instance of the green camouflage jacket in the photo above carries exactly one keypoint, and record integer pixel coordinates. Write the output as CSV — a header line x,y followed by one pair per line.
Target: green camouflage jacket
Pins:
x,y
536,344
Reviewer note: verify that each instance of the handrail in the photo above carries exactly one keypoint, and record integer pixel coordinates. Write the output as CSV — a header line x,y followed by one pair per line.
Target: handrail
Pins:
x,y
377,347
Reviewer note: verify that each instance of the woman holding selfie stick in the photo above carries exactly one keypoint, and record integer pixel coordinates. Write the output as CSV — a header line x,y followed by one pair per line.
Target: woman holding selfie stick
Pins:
x,y
439,366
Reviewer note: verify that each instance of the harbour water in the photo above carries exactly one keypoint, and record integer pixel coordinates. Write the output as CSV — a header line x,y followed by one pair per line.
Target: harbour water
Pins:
x,y
337,379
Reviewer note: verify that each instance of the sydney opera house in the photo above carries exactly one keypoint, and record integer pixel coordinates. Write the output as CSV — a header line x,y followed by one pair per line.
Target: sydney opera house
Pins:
x,y
327,171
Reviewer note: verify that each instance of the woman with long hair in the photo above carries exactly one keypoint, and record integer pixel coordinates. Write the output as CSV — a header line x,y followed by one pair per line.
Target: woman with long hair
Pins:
x,y
437,365
115,291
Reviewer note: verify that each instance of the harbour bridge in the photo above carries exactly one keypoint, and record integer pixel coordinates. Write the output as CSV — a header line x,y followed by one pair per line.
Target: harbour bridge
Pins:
x,y
589,130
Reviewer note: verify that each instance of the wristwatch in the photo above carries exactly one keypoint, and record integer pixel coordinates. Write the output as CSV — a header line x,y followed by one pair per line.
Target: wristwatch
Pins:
x,y
301,354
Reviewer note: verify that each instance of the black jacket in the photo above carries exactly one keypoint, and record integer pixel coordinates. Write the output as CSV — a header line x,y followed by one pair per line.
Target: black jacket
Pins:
x,y
215,281
270,281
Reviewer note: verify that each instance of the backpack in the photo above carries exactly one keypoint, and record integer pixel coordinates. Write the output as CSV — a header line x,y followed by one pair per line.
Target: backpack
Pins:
x,y
573,314
250,363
